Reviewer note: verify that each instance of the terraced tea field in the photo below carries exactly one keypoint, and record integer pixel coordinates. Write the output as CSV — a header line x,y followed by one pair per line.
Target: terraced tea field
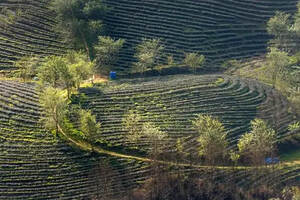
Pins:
x,y
30,33
34,164
219,29
172,102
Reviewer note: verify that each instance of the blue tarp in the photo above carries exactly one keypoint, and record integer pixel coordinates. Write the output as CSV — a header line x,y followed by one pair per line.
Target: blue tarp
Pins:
x,y
271,160
112,75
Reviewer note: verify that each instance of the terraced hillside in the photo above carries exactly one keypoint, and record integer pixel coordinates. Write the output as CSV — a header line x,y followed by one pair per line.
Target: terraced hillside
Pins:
x,y
29,33
36,165
173,101
219,29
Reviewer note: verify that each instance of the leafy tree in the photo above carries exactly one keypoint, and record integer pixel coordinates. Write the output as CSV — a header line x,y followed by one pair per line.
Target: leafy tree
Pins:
x,y
27,67
131,124
89,126
212,138
258,143
65,71
194,60
80,67
67,79
148,53
277,61
279,26
107,51
50,70
54,107
156,137
79,21
55,72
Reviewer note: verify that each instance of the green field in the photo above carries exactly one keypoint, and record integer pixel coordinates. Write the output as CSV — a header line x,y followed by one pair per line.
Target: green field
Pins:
x,y
38,164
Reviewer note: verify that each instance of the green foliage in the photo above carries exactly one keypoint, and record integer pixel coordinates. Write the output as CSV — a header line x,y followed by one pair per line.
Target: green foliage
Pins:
x,y
277,62
79,21
27,67
234,157
80,67
148,54
107,51
279,27
212,138
294,126
65,71
259,143
279,24
89,126
286,31
131,124
194,60
54,107
155,136
50,70
8,16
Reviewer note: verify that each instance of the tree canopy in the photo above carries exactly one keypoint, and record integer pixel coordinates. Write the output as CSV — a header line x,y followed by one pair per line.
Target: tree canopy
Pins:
x,y
54,106
212,138
258,143
89,126
27,67
148,54
107,52
277,62
66,71
194,60
131,124
80,21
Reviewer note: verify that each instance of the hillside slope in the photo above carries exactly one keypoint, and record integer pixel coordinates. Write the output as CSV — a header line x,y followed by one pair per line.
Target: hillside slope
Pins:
x,y
29,33
172,102
34,164
219,29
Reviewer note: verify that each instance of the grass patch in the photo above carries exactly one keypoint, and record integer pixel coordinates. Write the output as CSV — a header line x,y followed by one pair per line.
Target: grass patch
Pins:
x,y
290,156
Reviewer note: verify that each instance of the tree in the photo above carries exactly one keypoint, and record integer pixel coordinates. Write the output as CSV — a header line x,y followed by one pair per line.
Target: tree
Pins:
x,y
194,60
258,143
50,70
279,26
27,67
79,21
54,107
212,138
89,126
55,71
107,51
65,71
156,137
80,67
277,61
132,124
148,54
